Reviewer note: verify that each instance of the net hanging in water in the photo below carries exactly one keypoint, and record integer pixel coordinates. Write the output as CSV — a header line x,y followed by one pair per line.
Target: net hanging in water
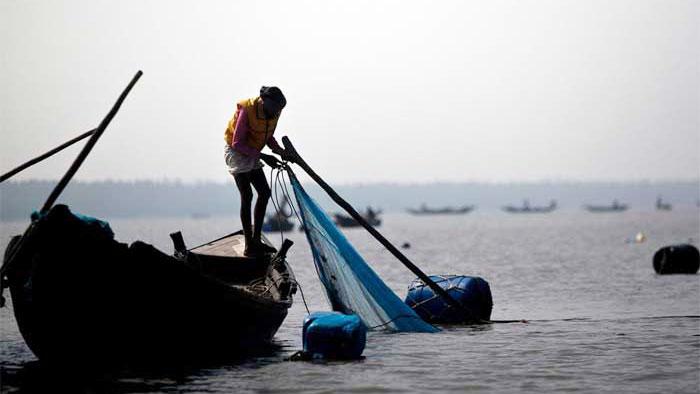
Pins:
x,y
350,283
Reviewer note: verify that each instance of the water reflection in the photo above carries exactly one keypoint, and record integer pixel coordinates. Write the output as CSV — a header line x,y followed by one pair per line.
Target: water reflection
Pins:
x,y
153,376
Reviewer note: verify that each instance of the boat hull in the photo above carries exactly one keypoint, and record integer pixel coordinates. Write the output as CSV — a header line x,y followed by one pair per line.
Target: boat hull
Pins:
x,y
347,221
80,296
605,209
441,211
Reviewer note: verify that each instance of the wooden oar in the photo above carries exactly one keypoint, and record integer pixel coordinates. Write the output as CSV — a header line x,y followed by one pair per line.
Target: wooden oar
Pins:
x,y
46,155
12,256
378,236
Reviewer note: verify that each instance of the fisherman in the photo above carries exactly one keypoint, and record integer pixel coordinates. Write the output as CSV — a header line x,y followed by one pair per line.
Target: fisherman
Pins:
x,y
371,214
251,128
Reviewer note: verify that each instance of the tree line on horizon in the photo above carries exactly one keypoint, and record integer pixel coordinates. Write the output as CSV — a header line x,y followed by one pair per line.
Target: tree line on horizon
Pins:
x,y
174,198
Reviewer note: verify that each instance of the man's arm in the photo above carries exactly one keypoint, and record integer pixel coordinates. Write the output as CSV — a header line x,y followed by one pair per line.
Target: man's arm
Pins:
x,y
240,135
278,150
274,146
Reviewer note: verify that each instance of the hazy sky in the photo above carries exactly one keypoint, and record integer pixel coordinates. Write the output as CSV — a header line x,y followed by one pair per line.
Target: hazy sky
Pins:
x,y
405,91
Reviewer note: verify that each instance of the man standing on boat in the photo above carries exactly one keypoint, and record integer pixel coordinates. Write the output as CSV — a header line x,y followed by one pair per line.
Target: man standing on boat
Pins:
x,y
251,128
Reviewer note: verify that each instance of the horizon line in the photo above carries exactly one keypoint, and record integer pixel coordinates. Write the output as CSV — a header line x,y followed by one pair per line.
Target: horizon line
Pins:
x,y
198,182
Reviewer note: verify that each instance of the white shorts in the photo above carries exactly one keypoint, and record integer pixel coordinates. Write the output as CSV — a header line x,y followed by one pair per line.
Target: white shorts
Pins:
x,y
238,162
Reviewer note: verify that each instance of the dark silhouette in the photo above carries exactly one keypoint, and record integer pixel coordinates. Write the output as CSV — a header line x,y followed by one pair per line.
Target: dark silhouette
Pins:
x,y
279,220
614,207
661,205
371,216
95,300
526,208
424,210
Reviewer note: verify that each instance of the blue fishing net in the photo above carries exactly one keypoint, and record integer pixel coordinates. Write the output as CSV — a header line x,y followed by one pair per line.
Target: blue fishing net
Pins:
x,y
351,285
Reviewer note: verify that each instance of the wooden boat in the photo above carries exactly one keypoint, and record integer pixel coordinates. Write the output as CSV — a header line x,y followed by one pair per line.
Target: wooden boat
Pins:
x,y
199,215
80,296
526,208
614,207
424,210
279,221
371,217
661,205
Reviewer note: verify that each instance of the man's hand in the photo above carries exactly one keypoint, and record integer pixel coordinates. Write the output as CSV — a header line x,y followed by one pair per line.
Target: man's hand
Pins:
x,y
270,160
286,156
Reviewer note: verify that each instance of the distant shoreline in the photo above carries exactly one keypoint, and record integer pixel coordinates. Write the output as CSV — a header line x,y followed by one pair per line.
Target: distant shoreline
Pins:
x,y
177,199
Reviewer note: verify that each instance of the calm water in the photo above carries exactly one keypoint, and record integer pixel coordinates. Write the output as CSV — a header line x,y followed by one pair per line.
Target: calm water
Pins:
x,y
600,319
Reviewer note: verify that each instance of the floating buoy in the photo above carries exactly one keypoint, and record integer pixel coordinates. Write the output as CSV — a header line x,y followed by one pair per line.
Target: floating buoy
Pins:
x,y
640,237
333,335
472,292
677,259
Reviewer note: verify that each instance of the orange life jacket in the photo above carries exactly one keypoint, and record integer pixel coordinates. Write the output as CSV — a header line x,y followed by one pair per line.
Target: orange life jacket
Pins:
x,y
260,128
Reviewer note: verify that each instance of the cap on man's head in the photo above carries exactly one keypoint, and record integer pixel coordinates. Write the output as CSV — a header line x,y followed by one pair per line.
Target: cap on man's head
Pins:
x,y
273,93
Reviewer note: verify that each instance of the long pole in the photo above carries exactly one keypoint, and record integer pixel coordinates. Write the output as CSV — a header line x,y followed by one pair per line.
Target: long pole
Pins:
x,y
88,146
376,234
11,257
46,155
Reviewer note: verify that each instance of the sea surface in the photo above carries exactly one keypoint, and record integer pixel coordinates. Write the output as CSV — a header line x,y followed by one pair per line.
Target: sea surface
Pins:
x,y
599,320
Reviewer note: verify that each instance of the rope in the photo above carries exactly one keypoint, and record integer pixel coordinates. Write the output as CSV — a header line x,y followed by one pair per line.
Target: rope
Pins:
x,y
286,194
281,184
278,184
302,297
392,320
307,228
275,203
259,282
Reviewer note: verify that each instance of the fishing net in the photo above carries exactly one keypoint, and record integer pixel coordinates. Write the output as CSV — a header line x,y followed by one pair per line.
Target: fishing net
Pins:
x,y
350,283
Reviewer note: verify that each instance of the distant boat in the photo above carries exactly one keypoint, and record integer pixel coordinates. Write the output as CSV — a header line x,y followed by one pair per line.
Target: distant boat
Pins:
x,y
526,208
371,217
614,207
275,223
424,210
661,205
199,215
279,221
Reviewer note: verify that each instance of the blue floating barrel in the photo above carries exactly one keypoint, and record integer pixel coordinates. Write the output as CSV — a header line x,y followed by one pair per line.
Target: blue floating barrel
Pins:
x,y
333,335
472,292
677,259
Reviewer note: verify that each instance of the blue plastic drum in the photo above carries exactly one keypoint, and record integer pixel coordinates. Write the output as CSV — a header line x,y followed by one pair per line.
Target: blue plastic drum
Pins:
x,y
472,292
333,335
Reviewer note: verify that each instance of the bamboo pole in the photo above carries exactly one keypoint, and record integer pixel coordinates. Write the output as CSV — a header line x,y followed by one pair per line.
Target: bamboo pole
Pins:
x,y
46,155
88,146
11,256
468,316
